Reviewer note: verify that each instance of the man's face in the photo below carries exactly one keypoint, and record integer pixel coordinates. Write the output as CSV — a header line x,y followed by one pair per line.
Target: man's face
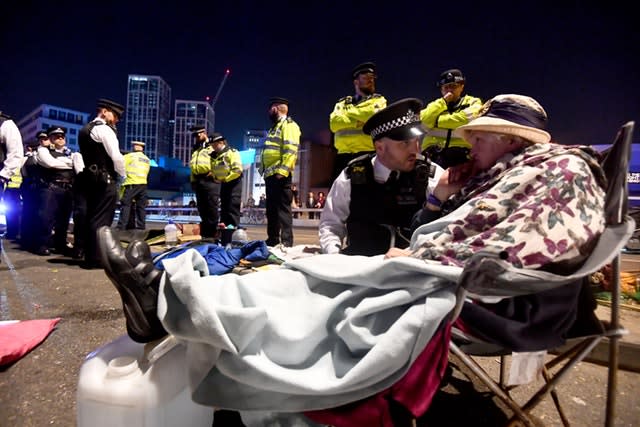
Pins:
x,y
58,140
44,141
455,89
366,83
110,117
200,136
398,155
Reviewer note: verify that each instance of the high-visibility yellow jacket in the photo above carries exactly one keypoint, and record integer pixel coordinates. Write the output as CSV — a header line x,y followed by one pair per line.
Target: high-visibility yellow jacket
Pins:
x,y
281,148
348,117
226,165
200,163
440,122
16,179
136,166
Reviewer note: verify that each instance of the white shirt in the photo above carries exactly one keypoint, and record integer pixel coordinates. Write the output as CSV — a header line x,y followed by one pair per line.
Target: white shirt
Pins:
x,y
105,135
10,136
333,229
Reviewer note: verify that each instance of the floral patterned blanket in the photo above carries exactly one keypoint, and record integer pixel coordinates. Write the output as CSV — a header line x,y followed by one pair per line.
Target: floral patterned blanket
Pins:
x,y
542,206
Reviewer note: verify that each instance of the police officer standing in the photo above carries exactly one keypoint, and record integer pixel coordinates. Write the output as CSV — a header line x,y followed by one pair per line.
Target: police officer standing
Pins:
x,y
134,189
351,112
226,166
445,114
33,190
104,165
202,182
58,201
11,152
372,202
278,162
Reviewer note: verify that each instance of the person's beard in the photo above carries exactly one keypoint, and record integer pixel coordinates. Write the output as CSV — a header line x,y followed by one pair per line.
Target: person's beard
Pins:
x,y
274,116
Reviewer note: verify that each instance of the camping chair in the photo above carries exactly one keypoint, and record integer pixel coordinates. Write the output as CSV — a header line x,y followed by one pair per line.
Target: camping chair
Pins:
x,y
619,228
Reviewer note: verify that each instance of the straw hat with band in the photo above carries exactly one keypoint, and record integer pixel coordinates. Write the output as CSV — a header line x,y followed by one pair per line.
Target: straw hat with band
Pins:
x,y
510,114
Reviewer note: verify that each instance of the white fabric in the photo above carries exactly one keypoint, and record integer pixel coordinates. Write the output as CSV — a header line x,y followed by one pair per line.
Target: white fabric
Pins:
x,y
319,333
10,136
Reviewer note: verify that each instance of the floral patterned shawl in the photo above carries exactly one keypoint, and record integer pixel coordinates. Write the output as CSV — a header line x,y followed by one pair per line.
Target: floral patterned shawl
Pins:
x,y
542,205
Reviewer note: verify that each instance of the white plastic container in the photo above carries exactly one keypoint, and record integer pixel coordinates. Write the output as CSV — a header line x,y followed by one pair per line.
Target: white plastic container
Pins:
x,y
122,385
171,233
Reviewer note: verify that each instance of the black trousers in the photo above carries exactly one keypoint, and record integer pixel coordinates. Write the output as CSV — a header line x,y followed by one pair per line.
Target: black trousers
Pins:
x,y
79,217
102,199
208,203
133,201
59,207
279,218
230,200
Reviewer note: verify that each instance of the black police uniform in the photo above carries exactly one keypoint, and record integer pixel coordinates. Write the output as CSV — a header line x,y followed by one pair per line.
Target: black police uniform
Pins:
x,y
98,183
374,205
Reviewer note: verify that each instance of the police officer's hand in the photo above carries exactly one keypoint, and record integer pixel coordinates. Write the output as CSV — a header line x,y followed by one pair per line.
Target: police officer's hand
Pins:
x,y
278,176
448,97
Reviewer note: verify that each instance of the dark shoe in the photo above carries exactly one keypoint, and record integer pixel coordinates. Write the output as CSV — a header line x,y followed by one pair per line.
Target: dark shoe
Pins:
x,y
77,254
42,251
137,280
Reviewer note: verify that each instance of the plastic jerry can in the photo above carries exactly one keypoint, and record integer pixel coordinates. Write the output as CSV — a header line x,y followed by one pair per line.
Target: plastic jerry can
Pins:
x,y
128,384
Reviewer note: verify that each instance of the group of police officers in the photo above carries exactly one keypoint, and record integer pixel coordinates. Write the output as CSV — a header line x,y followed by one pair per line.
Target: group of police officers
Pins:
x,y
50,184
56,184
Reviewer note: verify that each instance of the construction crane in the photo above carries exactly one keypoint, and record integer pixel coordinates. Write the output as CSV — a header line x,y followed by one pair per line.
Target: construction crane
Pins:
x,y
224,80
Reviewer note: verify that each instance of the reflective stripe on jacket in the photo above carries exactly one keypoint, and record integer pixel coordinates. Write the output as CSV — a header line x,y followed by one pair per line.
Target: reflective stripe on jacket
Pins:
x,y
137,166
227,165
347,119
281,148
440,122
200,163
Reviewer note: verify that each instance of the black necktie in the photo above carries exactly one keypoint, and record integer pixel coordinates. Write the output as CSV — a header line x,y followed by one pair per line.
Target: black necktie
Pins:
x,y
392,177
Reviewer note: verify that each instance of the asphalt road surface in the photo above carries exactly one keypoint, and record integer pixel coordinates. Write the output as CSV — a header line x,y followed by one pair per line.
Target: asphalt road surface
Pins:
x,y
40,389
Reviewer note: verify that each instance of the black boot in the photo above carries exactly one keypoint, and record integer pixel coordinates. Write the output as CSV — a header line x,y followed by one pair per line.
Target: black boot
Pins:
x,y
137,280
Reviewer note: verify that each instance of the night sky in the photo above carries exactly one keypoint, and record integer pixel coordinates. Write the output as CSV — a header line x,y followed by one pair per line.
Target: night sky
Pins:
x,y
578,60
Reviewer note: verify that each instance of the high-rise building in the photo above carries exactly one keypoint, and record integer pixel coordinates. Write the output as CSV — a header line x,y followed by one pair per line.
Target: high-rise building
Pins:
x,y
147,115
253,181
46,115
189,113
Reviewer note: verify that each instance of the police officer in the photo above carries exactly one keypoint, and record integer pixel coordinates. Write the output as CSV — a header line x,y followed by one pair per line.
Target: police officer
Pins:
x,y
226,166
58,202
134,188
13,203
33,189
351,112
11,149
374,198
278,162
202,182
103,167
11,152
445,114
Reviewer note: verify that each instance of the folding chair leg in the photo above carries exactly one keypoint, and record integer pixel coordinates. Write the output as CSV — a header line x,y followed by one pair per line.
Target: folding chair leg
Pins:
x,y
556,399
477,370
612,383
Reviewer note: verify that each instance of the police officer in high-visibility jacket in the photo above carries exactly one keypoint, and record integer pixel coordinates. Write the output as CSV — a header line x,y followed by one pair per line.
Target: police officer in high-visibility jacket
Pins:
x,y
206,189
13,203
278,162
134,189
226,166
445,114
349,115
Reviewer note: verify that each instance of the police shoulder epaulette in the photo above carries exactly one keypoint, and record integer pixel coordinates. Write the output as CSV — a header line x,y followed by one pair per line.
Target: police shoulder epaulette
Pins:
x,y
345,99
289,120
